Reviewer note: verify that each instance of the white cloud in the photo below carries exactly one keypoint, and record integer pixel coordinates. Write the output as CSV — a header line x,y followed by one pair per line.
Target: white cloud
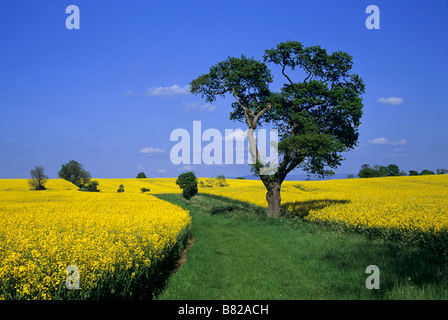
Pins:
x,y
161,171
237,134
151,150
187,167
401,142
167,91
130,93
207,107
189,107
379,141
391,100
385,142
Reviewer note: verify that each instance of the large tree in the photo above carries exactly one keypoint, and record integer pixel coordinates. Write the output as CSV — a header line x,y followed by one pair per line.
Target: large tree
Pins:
x,y
74,172
317,118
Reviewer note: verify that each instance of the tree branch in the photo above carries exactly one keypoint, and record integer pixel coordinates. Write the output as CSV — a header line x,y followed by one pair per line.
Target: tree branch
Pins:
x,y
309,75
282,165
220,92
246,114
292,165
262,112
283,71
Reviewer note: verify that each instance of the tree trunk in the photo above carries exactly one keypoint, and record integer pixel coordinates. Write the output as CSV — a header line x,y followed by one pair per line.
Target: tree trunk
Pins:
x,y
274,198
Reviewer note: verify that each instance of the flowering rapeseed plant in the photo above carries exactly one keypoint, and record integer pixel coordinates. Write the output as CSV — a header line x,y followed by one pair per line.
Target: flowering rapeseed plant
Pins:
x,y
405,203
43,232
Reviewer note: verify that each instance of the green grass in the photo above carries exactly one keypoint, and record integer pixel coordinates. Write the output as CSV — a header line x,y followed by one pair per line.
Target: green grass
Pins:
x,y
238,253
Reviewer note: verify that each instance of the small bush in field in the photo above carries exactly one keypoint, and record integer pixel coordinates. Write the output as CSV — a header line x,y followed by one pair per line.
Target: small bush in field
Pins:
x,y
188,183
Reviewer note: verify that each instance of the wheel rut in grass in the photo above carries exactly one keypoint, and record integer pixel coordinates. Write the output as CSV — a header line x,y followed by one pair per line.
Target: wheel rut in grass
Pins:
x,y
183,256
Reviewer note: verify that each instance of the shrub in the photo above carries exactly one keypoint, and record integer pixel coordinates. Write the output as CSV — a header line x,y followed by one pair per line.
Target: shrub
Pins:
x,y
188,183
143,190
220,181
92,187
120,188
209,182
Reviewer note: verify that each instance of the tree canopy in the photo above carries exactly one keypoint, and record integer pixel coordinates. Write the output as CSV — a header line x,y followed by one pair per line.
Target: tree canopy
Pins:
x,y
74,172
317,118
188,183
141,175
379,171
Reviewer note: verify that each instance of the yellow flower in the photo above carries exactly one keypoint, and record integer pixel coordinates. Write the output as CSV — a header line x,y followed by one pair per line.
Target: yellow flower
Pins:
x,y
409,203
42,233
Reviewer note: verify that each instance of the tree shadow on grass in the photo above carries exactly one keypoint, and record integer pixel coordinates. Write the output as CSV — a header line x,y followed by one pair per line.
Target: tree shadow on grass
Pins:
x,y
405,272
340,258
302,208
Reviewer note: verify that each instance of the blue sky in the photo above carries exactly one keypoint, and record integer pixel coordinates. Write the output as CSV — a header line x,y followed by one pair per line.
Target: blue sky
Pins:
x,y
109,94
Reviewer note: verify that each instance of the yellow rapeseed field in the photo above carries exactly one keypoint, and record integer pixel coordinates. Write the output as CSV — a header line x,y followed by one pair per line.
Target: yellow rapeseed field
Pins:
x,y
43,232
156,186
404,203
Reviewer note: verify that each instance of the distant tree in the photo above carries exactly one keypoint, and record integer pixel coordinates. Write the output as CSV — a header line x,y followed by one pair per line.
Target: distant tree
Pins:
x,y
120,188
241,178
392,170
73,171
413,173
426,172
188,183
379,171
85,178
141,175
402,173
38,178
442,171
143,190
350,176
220,181
366,171
209,182
92,187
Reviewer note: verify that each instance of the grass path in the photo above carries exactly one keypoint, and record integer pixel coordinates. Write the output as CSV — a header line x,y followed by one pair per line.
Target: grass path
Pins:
x,y
237,255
